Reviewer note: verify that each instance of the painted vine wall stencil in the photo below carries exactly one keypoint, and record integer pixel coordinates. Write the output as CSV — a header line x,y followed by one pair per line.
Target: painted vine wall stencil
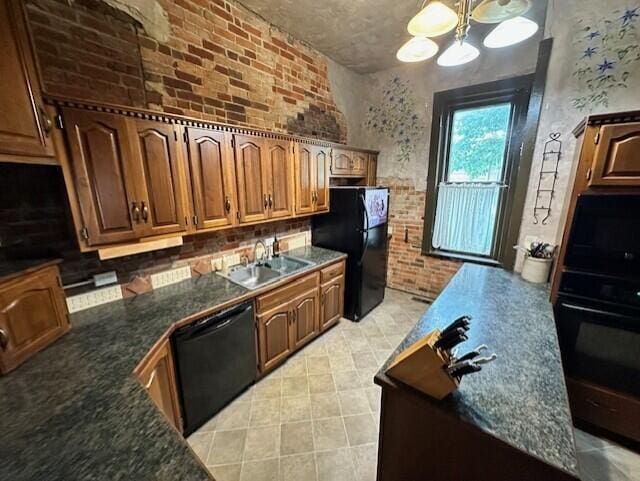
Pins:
x,y
396,118
607,52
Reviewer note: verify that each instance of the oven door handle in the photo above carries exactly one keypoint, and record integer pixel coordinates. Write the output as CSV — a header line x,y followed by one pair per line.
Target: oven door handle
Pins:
x,y
598,312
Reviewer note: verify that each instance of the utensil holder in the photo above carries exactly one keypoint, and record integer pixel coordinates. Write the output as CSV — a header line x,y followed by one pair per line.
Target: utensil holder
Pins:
x,y
424,367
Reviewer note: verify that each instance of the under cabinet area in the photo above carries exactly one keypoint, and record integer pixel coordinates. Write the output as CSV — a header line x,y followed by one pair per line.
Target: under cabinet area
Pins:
x,y
157,375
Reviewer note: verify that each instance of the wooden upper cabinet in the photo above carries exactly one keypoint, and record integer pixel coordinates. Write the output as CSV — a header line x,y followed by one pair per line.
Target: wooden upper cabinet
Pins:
x,y
159,176
360,161
304,322
279,178
305,179
33,314
24,126
341,162
157,375
321,159
251,178
100,156
212,178
616,160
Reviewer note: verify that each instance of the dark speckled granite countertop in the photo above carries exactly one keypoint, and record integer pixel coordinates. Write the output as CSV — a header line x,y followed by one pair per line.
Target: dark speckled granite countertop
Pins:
x,y
520,398
76,411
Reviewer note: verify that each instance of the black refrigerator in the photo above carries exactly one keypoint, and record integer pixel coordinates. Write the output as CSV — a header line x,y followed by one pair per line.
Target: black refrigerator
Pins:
x,y
357,226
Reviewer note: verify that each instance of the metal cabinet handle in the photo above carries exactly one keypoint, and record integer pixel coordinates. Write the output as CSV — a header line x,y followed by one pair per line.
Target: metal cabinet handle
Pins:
x,y
145,212
270,201
266,202
4,339
227,204
150,382
135,211
47,125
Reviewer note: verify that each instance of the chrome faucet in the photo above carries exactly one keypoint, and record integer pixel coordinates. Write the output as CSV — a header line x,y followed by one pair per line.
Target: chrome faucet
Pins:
x,y
255,250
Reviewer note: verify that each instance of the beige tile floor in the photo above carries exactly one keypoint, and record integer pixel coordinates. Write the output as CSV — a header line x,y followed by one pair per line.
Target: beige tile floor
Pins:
x,y
316,417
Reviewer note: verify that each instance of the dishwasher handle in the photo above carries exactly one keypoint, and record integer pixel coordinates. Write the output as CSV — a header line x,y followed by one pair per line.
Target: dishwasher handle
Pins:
x,y
214,322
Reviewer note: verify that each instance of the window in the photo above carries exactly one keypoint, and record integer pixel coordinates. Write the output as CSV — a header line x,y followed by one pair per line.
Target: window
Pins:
x,y
474,160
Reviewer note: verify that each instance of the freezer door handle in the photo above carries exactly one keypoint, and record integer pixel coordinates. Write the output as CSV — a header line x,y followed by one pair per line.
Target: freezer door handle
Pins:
x,y
366,214
366,230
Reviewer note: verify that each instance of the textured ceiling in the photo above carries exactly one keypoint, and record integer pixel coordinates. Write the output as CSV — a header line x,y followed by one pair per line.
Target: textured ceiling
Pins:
x,y
362,35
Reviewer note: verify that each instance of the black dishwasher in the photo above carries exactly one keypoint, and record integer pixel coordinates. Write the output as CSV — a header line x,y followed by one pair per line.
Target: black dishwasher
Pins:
x,y
215,361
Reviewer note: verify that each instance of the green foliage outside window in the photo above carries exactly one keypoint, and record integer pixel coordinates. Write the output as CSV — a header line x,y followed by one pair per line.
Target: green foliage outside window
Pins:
x,y
478,142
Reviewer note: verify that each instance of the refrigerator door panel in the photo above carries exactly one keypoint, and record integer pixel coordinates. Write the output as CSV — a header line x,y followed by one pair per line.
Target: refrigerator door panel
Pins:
x,y
376,203
373,269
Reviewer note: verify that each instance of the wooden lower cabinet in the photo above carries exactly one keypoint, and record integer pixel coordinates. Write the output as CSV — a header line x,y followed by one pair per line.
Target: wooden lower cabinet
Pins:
x,y
293,315
304,322
616,162
33,314
331,303
157,375
274,341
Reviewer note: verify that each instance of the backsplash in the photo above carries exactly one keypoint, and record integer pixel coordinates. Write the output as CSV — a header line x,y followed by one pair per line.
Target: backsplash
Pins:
x,y
165,274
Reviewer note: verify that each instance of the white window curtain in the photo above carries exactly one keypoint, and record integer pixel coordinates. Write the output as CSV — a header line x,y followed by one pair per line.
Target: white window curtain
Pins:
x,y
466,217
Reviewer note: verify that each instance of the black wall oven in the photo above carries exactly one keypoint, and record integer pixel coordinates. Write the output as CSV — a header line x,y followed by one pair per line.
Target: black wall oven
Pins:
x,y
598,307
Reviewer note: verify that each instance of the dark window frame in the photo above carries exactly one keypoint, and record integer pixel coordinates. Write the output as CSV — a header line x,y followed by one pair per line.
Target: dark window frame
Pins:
x,y
518,91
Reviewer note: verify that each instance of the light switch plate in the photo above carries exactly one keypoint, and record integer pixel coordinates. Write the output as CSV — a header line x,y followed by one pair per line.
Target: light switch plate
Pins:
x,y
93,298
166,278
216,264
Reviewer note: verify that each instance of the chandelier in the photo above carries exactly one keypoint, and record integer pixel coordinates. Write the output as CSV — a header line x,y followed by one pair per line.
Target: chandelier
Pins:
x,y
435,19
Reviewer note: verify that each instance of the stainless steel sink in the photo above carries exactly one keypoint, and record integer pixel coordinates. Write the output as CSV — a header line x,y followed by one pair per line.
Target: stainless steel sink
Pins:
x,y
255,275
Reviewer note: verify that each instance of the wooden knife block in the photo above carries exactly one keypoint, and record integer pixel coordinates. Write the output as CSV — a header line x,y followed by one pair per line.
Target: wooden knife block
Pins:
x,y
423,367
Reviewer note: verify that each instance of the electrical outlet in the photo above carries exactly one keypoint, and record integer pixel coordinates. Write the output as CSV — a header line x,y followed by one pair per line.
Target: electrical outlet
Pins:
x,y
230,261
166,278
216,264
93,298
297,242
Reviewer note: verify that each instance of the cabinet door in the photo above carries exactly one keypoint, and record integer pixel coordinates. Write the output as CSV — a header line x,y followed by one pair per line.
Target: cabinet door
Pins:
x,y
321,164
24,126
32,314
341,162
372,170
159,176
617,157
251,178
305,182
360,161
331,302
212,178
304,324
158,378
279,178
100,156
273,337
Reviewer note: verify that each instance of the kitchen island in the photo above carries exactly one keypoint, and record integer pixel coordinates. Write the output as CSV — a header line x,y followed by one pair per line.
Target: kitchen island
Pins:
x,y
511,421
76,411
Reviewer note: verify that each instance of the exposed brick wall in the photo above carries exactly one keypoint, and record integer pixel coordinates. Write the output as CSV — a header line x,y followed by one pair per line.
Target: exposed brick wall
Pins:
x,y
221,63
88,51
408,269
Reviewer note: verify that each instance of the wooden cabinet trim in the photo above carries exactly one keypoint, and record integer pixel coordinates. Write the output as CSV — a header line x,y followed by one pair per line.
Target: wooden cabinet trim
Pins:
x,y
615,160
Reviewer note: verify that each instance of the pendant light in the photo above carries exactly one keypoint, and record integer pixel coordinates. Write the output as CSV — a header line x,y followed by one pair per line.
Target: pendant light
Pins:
x,y
511,32
461,51
433,20
495,11
417,49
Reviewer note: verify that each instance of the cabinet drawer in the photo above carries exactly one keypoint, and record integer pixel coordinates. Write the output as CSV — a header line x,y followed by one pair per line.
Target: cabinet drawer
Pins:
x,y
332,272
612,411
286,293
